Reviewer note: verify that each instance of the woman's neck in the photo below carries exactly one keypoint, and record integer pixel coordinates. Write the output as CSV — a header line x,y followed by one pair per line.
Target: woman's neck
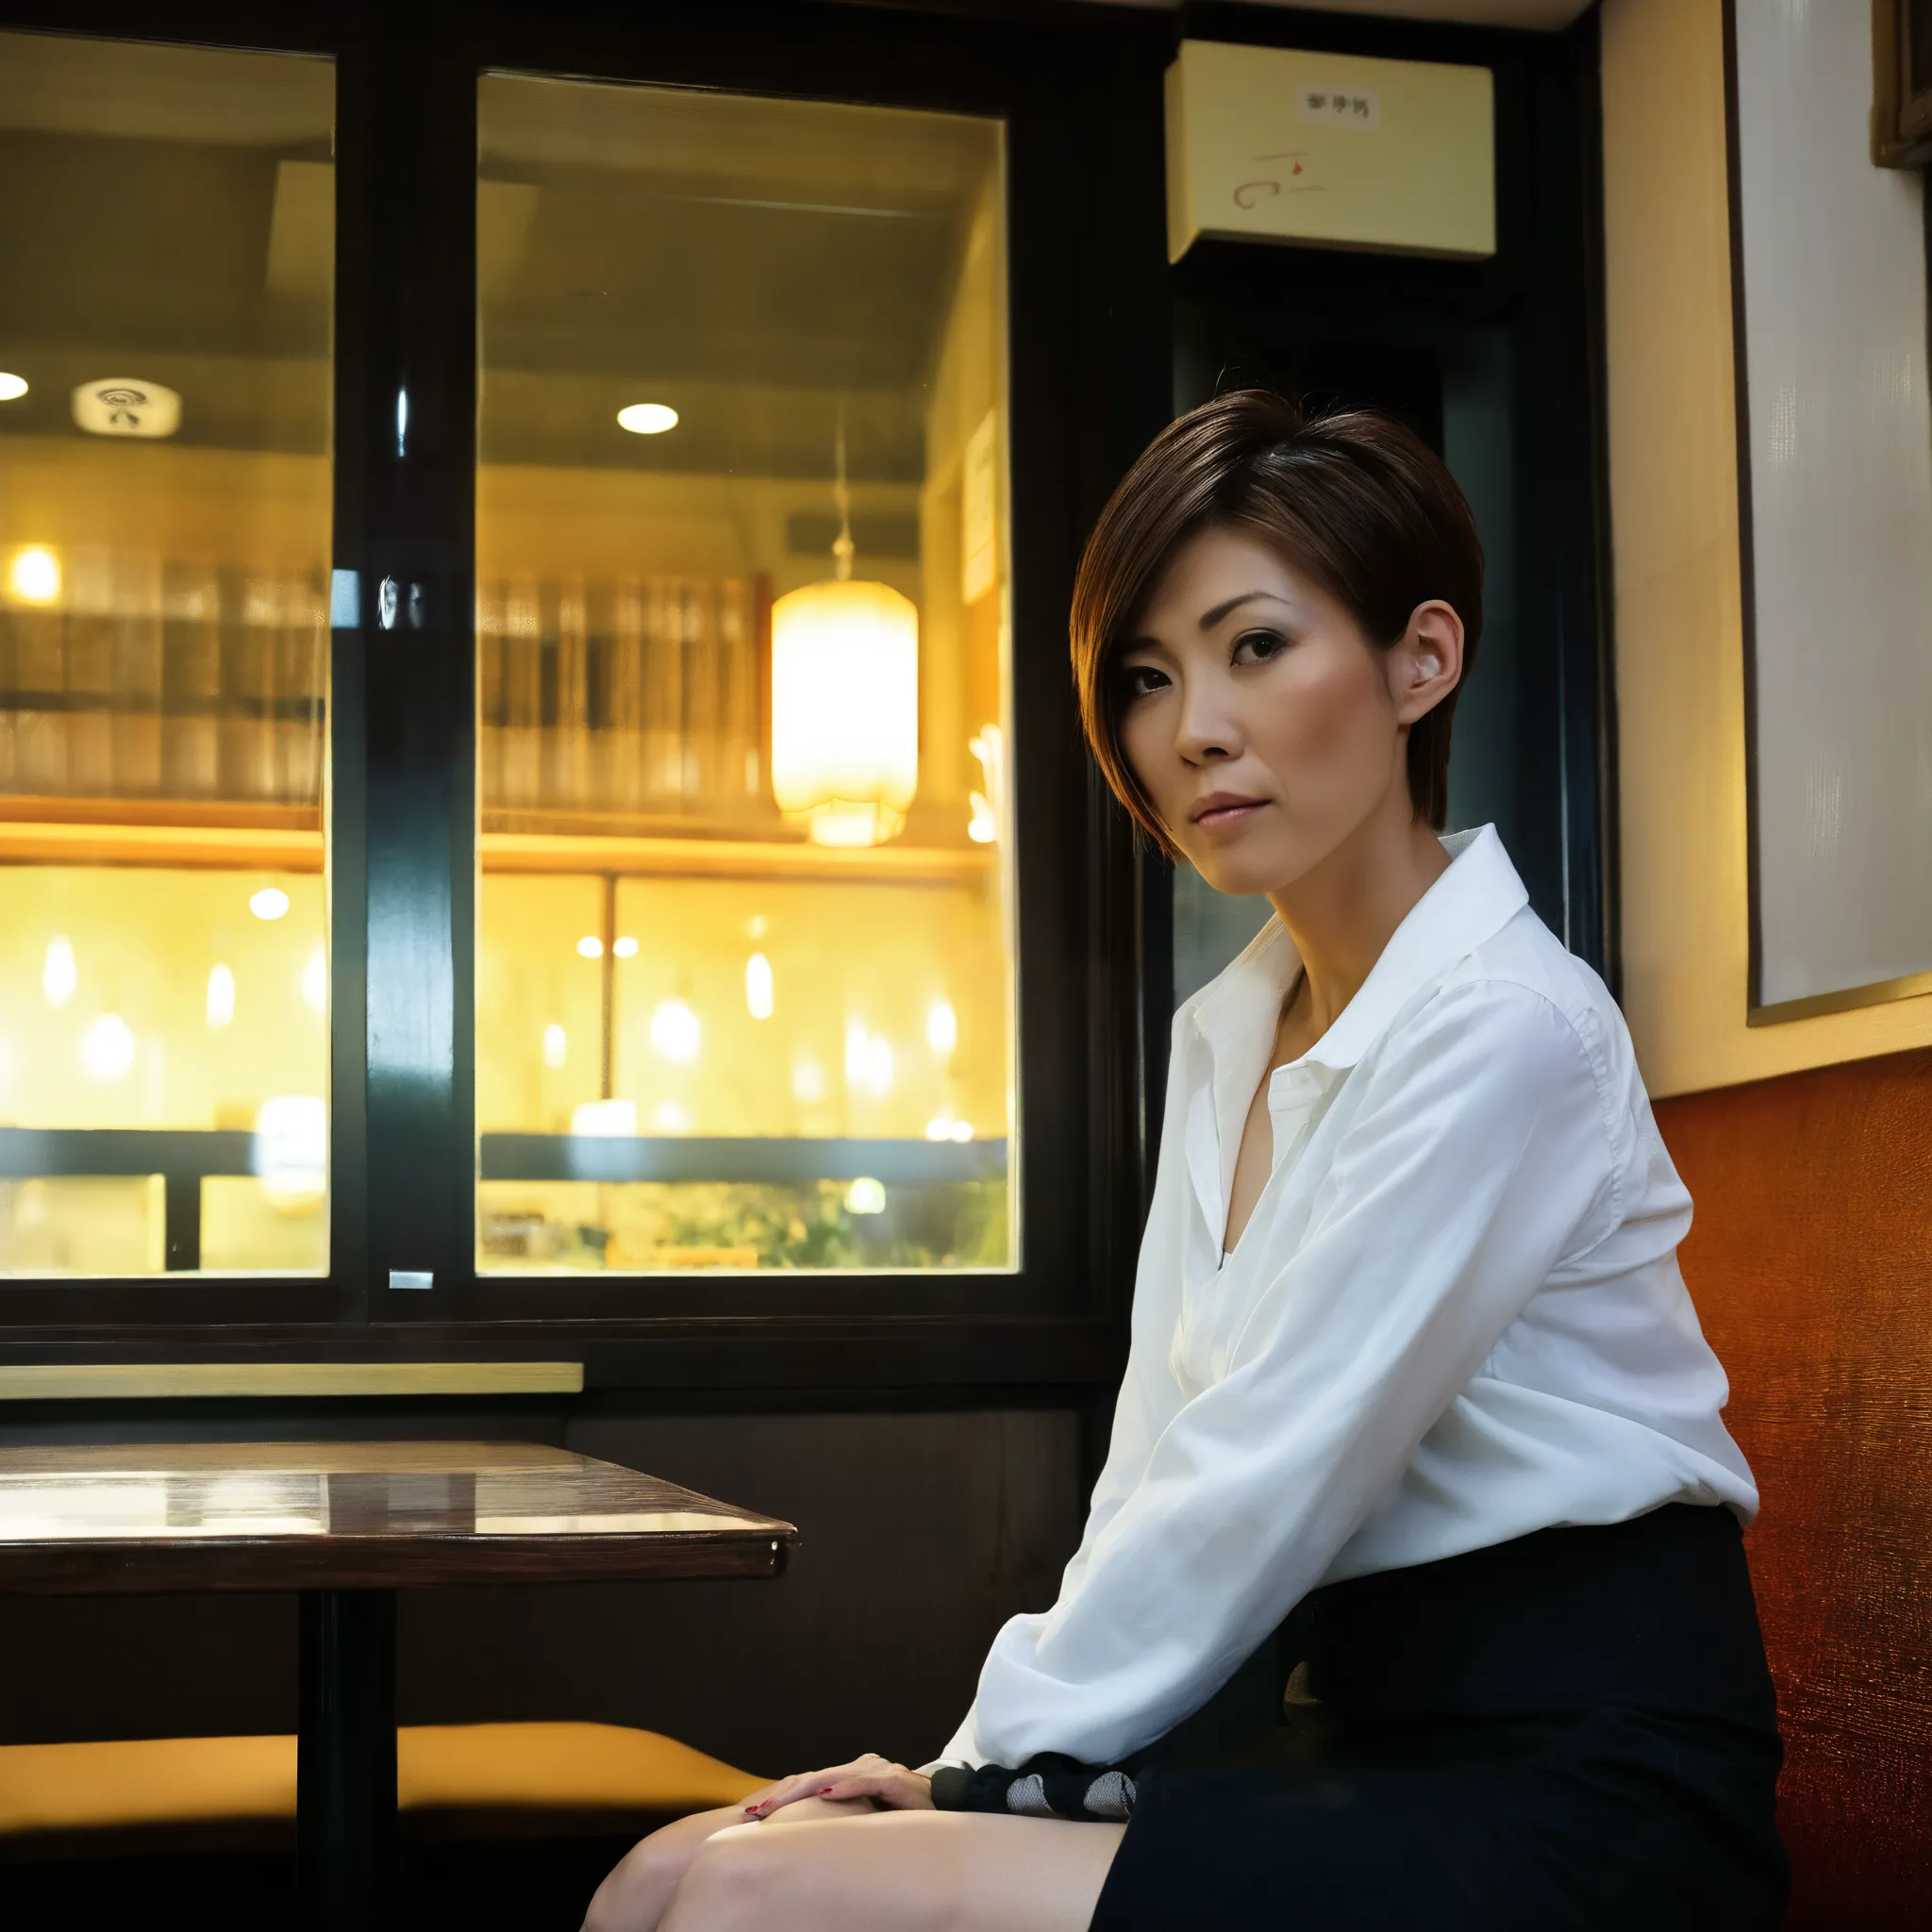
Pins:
x,y
1343,913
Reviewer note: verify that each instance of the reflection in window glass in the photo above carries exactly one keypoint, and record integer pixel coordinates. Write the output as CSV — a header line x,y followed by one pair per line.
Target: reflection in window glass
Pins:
x,y
167,226
745,984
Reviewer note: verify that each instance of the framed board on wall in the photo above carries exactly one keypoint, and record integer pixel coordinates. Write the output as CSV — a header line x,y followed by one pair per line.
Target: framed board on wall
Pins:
x,y
1829,262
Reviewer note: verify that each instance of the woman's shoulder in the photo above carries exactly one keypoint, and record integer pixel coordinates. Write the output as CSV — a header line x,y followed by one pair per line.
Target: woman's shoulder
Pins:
x,y
1520,998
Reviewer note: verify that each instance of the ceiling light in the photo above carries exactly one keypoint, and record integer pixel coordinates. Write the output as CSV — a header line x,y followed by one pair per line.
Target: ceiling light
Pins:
x,y
556,1046
270,903
11,387
625,948
647,419
590,947
845,698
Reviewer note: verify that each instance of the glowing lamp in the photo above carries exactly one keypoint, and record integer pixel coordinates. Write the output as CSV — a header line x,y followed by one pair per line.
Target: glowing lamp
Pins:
x,y
845,710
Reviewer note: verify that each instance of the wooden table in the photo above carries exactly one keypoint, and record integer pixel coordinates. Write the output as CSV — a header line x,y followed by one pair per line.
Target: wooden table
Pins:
x,y
348,1525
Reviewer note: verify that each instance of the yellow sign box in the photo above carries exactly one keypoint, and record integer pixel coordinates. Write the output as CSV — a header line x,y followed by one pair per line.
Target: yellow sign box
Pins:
x,y
1329,151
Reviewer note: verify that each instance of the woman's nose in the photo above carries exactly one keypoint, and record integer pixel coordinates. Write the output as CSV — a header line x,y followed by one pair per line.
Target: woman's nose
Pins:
x,y
1207,732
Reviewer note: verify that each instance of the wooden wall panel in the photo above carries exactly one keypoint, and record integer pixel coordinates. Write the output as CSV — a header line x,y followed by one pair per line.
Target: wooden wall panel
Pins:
x,y
1811,1265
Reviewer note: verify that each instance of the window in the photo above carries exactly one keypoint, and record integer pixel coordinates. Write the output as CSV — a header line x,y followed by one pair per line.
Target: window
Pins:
x,y
746,972
167,223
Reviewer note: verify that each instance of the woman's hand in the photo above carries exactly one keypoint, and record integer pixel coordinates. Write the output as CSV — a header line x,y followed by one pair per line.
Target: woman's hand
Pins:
x,y
890,1786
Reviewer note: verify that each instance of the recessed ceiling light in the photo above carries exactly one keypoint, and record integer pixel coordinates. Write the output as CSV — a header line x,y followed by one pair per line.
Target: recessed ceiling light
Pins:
x,y
270,903
647,419
11,385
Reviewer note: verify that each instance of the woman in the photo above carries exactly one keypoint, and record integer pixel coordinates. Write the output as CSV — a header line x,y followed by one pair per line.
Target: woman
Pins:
x,y
1411,1594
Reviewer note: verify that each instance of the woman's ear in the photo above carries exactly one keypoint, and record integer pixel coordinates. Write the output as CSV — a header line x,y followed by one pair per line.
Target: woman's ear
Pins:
x,y
1425,665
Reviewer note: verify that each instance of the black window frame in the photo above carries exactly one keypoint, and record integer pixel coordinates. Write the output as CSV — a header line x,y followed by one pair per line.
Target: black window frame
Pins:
x,y
1079,92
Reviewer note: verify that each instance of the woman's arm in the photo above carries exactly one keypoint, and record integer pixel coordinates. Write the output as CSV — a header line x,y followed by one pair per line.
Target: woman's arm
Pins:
x,y
1479,1157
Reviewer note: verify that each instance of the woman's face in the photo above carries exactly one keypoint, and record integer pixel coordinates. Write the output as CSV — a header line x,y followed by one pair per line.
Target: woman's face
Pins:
x,y
1264,727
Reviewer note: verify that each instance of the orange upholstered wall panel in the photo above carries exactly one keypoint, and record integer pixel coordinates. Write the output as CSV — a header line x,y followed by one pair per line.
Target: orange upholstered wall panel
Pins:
x,y
1811,1265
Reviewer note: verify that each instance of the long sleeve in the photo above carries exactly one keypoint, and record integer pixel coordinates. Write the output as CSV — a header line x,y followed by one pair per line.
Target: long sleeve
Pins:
x,y
1475,1159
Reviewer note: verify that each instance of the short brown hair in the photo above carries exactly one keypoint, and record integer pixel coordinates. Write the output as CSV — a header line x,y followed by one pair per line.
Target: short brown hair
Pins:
x,y
1350,497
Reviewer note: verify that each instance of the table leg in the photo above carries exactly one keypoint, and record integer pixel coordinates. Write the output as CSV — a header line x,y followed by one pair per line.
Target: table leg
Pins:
x,y
345,1765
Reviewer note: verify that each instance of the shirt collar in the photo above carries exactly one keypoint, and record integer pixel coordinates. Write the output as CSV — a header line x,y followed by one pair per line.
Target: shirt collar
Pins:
x,y
1472,901
1235,1016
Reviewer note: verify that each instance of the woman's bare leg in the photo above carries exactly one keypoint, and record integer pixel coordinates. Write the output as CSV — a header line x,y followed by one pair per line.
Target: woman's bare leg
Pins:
x,y
633,1898
897,1872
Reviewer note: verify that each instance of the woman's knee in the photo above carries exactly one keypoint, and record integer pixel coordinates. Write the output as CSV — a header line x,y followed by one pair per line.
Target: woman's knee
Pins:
x,y
734,1879
633,1898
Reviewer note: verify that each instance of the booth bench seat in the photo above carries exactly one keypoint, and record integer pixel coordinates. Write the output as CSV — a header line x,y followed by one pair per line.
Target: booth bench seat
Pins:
x,y
452,1781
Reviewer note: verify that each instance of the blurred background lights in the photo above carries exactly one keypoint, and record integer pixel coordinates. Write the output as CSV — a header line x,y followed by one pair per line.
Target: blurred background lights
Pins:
x,y
674,1031
942,1027
556,1046
11,387
758,986
945,1127
60,975
616,1119
669,1118
106,1048
315,980
865,1196
808,1081
221,995
590,947
625,948
34,575
647,419
988,748
868,1059
270,903
292,1151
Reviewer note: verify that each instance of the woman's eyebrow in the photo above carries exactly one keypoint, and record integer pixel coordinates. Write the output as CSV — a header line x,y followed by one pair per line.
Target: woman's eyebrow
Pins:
x,y
1210,618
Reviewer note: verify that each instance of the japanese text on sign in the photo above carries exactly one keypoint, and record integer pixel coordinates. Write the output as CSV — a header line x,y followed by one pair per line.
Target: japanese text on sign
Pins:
x,y
1348,107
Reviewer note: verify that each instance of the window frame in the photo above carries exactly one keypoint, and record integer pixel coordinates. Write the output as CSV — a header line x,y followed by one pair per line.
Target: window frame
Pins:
x,y
1089,362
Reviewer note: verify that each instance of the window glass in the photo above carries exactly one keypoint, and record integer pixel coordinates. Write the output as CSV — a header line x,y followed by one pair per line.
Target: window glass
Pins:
x,y
746,981
167,226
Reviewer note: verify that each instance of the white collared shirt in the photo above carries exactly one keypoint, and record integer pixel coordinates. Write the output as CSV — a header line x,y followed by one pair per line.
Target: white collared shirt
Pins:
x,y
1455,1317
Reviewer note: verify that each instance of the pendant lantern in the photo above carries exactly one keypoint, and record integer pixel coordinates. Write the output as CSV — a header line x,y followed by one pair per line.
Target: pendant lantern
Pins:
x,y
845,700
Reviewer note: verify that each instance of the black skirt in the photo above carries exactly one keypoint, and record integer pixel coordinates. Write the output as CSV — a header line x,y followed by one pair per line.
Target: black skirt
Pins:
x,y
1575,1729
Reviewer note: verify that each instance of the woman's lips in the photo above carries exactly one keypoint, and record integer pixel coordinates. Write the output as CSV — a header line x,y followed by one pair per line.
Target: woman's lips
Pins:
x,y
1225,814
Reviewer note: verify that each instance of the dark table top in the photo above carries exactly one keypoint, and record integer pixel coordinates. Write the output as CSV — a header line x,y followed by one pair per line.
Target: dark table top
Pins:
x,y
100,1519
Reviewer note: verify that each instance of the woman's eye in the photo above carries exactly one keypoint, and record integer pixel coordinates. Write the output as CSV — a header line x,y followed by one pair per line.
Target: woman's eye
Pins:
x,y
1138,680
1257,646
